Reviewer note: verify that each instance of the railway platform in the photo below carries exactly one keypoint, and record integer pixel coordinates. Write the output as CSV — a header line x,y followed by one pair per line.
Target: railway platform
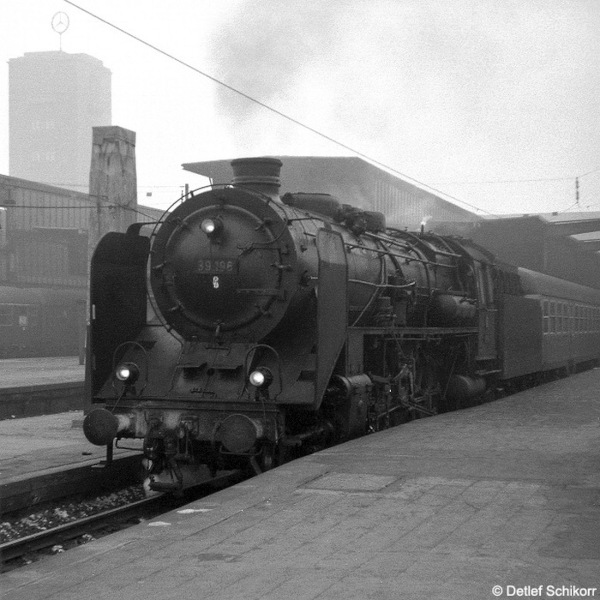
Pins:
x,y
38,386
41,456
496,501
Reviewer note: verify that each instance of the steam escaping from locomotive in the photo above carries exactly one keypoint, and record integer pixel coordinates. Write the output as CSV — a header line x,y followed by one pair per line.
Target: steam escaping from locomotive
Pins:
x,y
424,221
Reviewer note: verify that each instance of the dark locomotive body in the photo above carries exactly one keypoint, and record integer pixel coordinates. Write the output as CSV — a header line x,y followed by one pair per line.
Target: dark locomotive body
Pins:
x,y
279,325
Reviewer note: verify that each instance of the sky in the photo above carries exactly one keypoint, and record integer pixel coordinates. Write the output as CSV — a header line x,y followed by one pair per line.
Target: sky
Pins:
x,y
495,104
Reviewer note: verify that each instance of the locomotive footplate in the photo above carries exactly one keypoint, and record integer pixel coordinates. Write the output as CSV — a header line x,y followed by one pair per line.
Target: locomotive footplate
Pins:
x,y
421,333
216,422
179,439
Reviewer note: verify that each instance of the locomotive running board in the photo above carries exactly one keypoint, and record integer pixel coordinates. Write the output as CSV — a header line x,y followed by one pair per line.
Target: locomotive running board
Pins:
x,y
332,307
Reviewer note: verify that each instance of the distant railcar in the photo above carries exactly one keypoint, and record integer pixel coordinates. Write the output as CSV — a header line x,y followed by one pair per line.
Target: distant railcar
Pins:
x,y
553,325
40,322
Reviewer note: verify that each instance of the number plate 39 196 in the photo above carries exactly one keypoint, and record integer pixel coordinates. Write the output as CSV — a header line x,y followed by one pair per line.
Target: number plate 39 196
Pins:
x,y
217,266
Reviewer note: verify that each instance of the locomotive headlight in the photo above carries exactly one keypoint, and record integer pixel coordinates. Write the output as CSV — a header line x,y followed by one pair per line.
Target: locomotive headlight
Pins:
x,y
261,377
211,227
127,372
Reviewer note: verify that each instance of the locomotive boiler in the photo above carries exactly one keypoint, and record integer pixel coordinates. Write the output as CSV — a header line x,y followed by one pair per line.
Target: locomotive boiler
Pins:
x,y
250,327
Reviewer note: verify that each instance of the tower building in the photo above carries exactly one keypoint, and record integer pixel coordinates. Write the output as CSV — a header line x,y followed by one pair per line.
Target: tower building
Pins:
x,y
55,98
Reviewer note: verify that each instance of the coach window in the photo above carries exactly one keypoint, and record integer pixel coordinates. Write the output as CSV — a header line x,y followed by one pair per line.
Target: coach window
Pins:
x,y
552,317
570,315
489,284
32,314
559,317
6,312
482,284
546,317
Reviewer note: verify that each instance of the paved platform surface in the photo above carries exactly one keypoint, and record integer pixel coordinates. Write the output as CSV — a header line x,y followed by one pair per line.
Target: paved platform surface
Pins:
x,y
45,457
40,386
36,445
497,501
24,372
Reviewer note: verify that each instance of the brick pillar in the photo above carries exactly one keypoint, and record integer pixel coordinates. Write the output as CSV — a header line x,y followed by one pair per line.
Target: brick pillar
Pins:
x,y
113,192
113,182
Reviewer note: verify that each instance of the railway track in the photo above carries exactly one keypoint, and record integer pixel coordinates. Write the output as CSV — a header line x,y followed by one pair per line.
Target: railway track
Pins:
x,y
56,536
23,550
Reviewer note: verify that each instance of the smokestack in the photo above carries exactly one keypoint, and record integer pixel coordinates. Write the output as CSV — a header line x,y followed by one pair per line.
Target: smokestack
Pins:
x,y
260,174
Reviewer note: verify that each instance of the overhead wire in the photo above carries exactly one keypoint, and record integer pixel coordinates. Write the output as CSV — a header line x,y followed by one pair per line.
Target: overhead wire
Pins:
x,y
541,179
589,172
575,178
272,109
67,207
492,181
86,185
312,129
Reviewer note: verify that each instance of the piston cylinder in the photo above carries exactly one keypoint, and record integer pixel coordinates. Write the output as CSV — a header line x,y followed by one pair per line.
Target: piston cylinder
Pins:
x,y
462,388
448,308
238,433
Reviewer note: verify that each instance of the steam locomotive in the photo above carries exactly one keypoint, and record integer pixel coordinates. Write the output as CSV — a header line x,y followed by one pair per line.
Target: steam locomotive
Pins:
x,y
249,327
